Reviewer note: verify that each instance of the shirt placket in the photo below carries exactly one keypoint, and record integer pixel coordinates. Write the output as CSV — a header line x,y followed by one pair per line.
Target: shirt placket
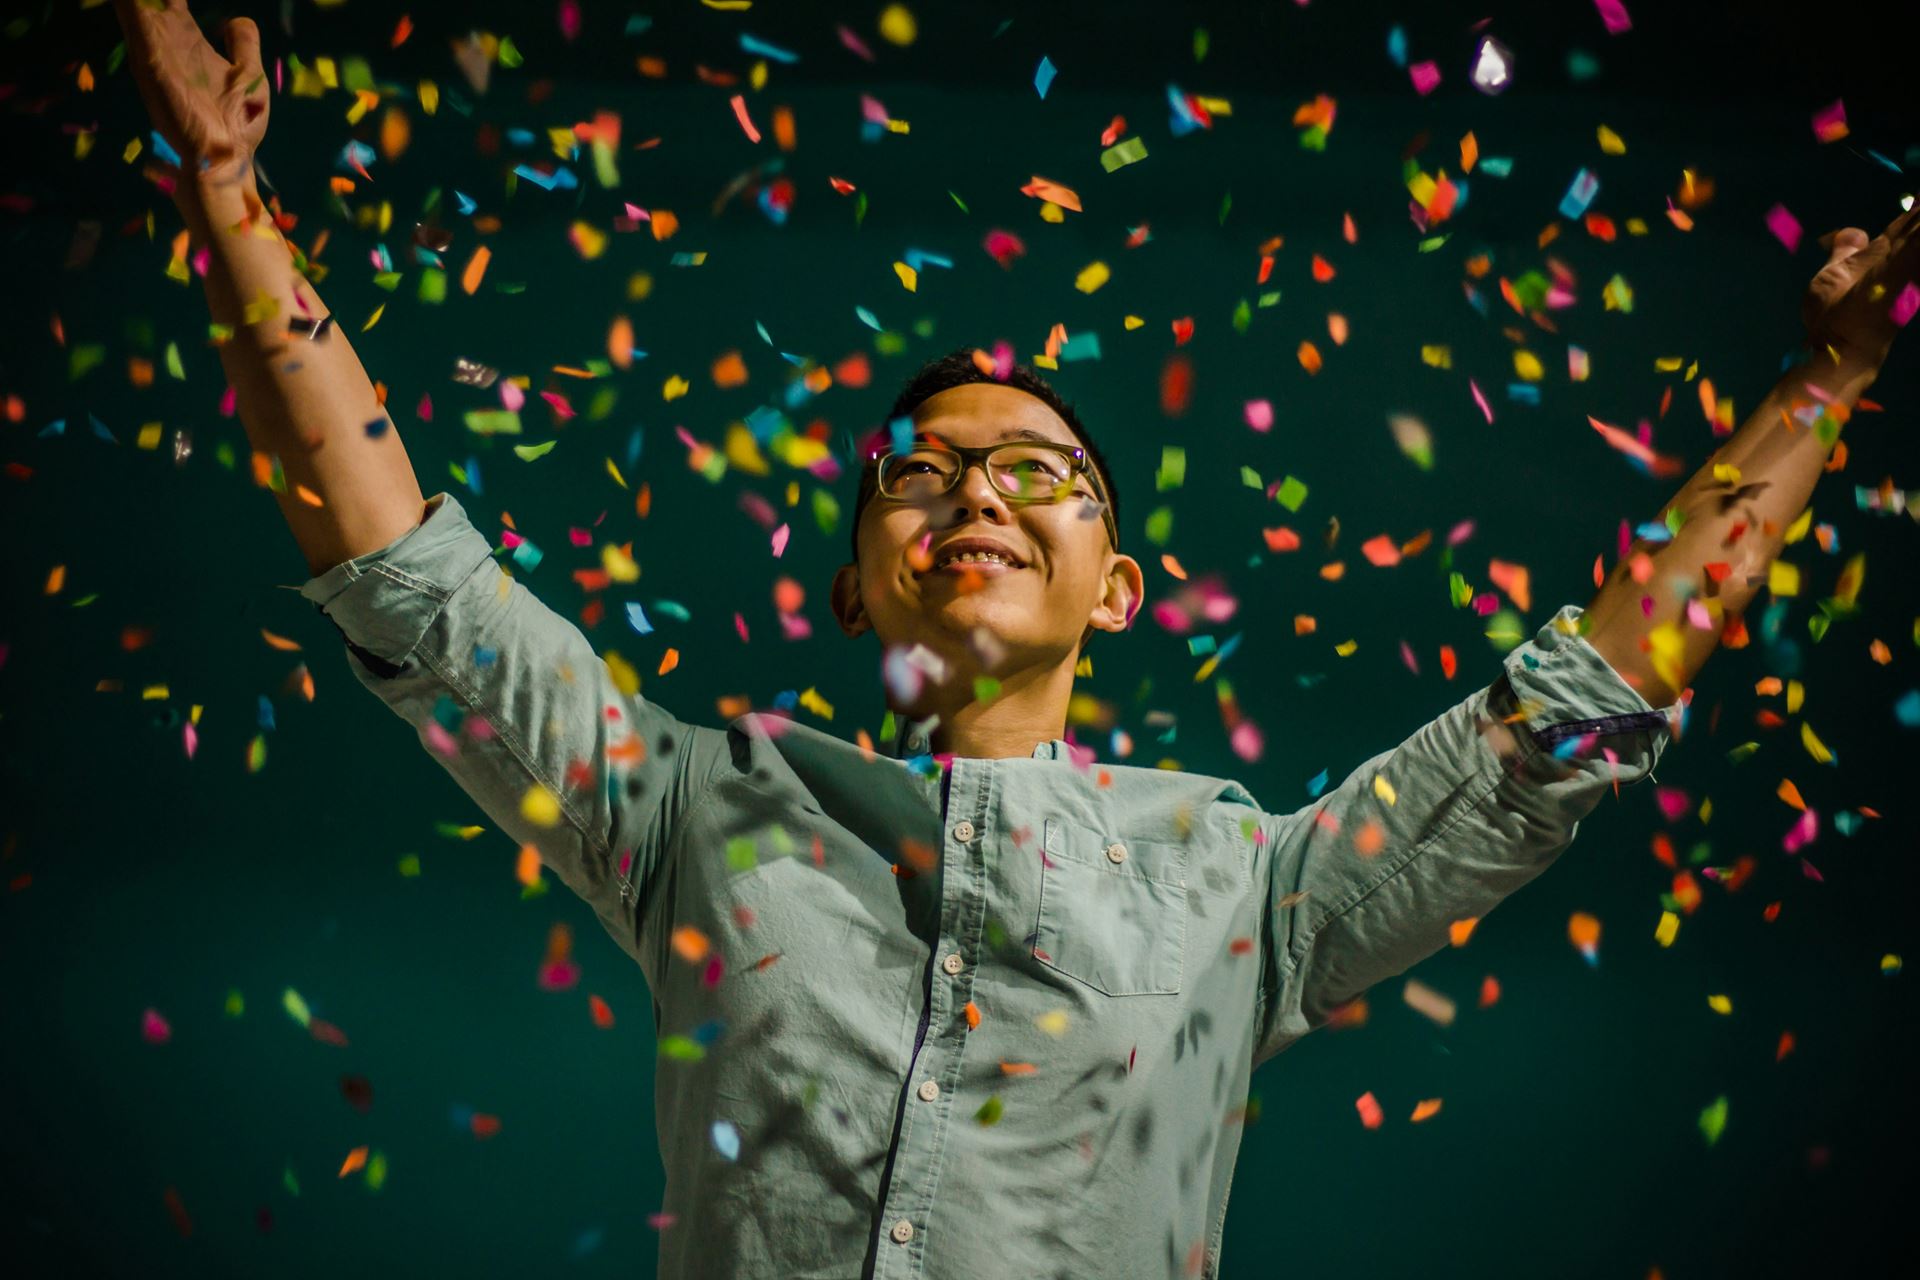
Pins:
x,y
929,1093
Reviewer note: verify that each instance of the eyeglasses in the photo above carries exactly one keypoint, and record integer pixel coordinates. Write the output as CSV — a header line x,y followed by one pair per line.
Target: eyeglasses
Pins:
x,y
1024,471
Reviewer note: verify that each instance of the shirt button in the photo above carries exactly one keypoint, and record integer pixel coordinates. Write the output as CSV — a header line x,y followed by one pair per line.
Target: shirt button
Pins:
x,y
902,1231
929,1090
963,831
1116,853
953,963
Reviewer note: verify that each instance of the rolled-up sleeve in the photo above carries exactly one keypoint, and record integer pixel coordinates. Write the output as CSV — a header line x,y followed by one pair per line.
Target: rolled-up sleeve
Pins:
x,y
1366,882
511,699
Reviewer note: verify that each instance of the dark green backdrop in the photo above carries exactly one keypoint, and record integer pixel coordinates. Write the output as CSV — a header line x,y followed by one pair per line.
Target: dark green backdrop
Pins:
x,y
1569,1142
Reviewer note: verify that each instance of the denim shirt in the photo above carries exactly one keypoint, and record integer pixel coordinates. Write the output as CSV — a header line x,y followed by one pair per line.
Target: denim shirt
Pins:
x,y
948,1017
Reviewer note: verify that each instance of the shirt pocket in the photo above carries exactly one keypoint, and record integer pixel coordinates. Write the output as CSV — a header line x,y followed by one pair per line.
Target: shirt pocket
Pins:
x,y
1113,910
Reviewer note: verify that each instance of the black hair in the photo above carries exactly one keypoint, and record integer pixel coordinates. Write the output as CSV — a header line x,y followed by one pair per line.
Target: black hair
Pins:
x,y
956,369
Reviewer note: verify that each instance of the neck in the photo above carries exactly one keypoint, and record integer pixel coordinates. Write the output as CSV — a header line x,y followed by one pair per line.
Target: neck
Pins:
x,y
1030,708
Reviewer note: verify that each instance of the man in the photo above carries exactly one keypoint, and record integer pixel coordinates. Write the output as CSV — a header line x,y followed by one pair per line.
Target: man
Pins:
x,y
971,1006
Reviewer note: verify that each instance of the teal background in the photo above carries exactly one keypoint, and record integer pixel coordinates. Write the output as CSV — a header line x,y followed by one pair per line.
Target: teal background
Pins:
x,y
1568,1143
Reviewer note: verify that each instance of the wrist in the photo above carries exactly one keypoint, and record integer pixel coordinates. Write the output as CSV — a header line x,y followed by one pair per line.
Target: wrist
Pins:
x,y
211,205
1842,372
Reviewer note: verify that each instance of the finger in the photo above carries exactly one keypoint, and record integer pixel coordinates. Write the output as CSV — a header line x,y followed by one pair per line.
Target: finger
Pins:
x,y
1843,244
243,47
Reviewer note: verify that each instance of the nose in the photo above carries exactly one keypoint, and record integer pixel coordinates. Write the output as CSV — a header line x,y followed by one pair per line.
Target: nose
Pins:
x,y
974,495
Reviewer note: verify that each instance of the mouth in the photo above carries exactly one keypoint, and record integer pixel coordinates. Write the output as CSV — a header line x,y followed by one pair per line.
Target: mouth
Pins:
x,y
976,556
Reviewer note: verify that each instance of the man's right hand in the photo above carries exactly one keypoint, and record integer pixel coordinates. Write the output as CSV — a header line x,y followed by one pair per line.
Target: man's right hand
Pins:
x,y
210,109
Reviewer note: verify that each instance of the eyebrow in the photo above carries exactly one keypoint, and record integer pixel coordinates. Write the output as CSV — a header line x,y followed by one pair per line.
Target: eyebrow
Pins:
x,y
1013,433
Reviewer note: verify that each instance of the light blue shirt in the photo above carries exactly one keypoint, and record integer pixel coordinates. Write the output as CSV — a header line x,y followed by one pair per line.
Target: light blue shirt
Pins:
x,y
951,1017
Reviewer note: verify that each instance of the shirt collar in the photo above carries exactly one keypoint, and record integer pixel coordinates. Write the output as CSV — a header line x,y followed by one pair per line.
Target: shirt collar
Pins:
x,y
914,737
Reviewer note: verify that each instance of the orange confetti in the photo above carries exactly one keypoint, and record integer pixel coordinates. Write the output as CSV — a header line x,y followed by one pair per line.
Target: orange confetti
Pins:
x,y
1017,1068
1322,269
730,370
1583,930
973,1016
527,868
1172,566
620,342
1370,838
1382,551
1044,189
1489,992
1348,231
1449,662
690,944
1369,1108
356,1160
602,1013
279,642
1337,328
1784,1048
1469,153
739,104
1425,1109
402,30
476,268
1514,580
1791,794
1304,624
1460,930
664,223
668,661
1310,357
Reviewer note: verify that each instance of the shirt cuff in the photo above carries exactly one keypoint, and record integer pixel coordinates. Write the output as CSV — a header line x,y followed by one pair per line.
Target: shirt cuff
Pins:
x,y
1568,691
384,601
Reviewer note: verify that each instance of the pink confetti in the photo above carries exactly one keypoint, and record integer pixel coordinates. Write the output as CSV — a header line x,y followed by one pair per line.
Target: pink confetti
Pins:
x,y
739,103
511,396
1803,833
154,1028
1480,400
780,536
1459,533
569,18
1247,741
190,738
424,410
853,43
740,625
1698,618
1614,15
1905,305
1785,227
1425,76
1673,802
1406,656
226,403
1830,123
1260,412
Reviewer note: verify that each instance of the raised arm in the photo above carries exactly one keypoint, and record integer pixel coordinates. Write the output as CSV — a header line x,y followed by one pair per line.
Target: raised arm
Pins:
x,y
1665,606
559,750
302,395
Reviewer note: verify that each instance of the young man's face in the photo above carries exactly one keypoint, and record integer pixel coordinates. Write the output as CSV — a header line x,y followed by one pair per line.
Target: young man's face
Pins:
x,y
1065,573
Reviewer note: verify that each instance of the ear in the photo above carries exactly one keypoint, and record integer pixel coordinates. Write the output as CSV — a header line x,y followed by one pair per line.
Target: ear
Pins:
x,y
846,601
1126,587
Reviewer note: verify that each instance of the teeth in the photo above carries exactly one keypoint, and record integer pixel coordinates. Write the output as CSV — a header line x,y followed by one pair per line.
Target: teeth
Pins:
x,y
975,557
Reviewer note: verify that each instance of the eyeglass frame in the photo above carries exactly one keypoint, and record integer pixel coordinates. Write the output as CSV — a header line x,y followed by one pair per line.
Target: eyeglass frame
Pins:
x,y
970,454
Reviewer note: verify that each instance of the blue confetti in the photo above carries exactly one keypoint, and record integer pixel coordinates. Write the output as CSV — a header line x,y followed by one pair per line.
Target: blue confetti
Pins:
x,y
164,151
1580,194
637,618
1043,75
867,318
726,1140
672,609
1907,710
753,44
1316,784
264,717
1397,46
465,201
58,427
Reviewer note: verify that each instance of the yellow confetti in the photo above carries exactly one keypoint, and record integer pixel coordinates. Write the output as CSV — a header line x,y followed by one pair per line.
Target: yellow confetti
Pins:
x,y
1815,748
1611,142
1092,276
1384,789
1783,579
1720,1004
1667,930
897,25
675,387
540,806
1053,1022
909,278
1798,529
1439,357
1527,366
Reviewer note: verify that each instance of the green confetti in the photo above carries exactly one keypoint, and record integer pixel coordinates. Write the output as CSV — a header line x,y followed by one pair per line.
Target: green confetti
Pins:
x,y
681,1049
1173,468
376,1171
741,855
962,203
985,688
1160,526
990,1110
1291,493
236,1003
1251,478
1242,317
1713,1119
296,1007
528,452
175,369
1122,154
410,865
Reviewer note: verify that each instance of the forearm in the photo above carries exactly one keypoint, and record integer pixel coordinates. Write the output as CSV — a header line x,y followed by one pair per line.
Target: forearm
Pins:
x,y
306,402
1733,526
